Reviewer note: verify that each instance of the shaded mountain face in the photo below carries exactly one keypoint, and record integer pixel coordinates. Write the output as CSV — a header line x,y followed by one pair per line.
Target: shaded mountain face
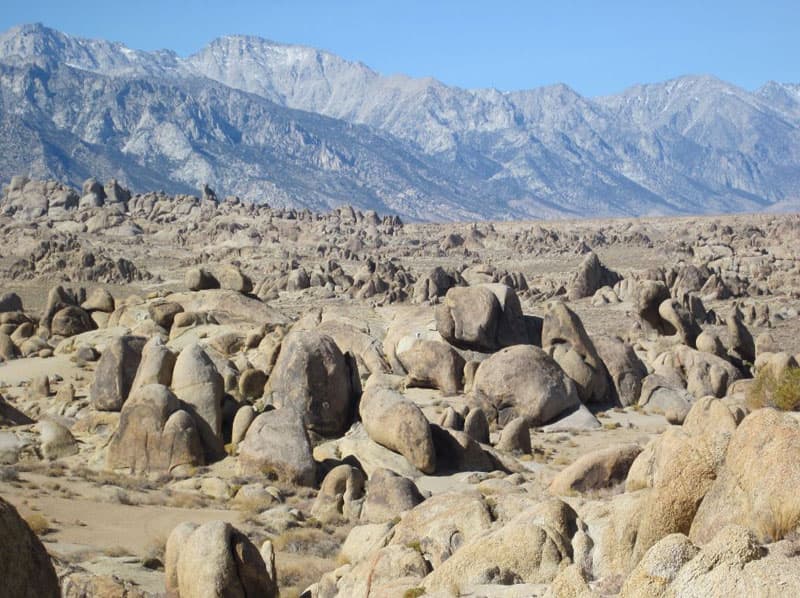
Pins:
x,y
297,126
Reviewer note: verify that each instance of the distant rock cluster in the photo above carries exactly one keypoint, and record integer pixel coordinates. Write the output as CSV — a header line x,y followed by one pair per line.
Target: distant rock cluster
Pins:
x,y
471,409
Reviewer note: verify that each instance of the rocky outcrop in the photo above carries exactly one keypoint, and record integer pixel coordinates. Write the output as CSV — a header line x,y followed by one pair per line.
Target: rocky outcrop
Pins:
x,y
276,444
313,377
155,434
215,560
393,421
25,566
525,381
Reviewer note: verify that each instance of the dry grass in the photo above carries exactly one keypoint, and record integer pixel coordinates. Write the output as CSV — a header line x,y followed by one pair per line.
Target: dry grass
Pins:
x,y
781,392
38,524
116,552
153,556
297,574
308,541
778,522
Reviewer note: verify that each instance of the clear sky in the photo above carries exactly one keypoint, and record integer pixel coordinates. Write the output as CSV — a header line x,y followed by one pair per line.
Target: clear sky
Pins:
x,y
597,47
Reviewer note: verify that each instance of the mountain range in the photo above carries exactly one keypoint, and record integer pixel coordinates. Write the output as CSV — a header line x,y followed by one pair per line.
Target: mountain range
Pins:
x,y
296,126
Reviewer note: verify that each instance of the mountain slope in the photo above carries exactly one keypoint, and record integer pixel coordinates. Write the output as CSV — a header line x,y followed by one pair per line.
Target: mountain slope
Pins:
x,y
296,125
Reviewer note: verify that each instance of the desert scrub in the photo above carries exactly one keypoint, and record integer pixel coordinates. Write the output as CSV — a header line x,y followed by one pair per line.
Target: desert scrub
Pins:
x,y
414,593
38,524
308,540
781,392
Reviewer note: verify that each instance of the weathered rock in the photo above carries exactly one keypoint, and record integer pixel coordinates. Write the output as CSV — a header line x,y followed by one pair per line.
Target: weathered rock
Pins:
x,y
659,566
709,342
398,424
198,279
679,468
591,276
740,340
516,436
276,443
442,524
662,395
154,434
455,451
680,320
10,302
196,382
476,425
433,364
241,423
339,495
388,495
58,298
55,440
367,350
469,318
528,549
99,300
25,567
434,284
8,349
710,416
625,369
70,321
156,364
524,381
733,564
251,383
482,318
702,373
756,486
364,540
215,560
451,419
231,278
596,470
565,339
313,377
116,372
650,294
164,312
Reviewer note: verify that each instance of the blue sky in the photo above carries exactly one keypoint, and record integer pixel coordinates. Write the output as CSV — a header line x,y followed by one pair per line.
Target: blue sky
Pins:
x,y
595,47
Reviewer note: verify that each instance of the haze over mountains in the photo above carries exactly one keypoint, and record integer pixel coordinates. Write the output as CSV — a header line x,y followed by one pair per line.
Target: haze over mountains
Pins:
x,y
292,125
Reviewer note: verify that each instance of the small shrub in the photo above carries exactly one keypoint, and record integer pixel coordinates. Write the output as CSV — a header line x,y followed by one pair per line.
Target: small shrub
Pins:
x,y
116,551
38,524
414,593
781,392
308,541
415,545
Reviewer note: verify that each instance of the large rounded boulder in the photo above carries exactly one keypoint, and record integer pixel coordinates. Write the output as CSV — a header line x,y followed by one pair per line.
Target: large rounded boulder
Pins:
x,y
524,381
25,567
313,377
757,485
154,434
215,560
398,424
115,373
196,382
482,318
276,444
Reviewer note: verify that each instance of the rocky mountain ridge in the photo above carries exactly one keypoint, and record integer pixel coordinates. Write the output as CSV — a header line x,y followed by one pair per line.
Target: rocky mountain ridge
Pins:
x,y
291,125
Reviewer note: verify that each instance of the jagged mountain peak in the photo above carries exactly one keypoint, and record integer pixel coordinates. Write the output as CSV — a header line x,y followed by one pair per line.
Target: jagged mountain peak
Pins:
x,y
296,125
